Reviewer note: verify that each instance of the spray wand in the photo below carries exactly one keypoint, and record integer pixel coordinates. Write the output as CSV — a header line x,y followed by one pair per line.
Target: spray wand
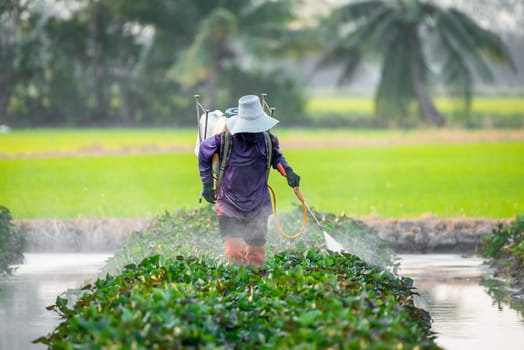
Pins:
x,y
331,243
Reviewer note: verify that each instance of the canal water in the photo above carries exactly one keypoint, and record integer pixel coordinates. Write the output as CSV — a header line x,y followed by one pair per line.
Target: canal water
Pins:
x,y
34,286
464,315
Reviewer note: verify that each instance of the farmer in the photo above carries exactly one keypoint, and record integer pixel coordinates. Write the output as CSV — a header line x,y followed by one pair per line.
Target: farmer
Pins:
x,y
242,197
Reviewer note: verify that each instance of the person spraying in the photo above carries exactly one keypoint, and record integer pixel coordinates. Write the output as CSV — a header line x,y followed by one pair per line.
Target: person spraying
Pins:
x,y
247,151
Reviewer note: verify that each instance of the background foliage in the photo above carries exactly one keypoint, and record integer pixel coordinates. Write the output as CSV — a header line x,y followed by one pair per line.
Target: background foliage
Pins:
x,y
102,62
107,62
12,242
505,248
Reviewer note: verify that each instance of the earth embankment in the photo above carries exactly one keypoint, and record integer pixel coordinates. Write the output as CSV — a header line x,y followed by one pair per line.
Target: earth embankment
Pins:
x,y
422,235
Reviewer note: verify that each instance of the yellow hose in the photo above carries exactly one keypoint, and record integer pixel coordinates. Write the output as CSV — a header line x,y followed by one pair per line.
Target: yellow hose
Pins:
x,y
277,224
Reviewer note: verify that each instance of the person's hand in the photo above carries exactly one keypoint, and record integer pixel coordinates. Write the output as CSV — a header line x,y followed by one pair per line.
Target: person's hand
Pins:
x,y
293,180
209,193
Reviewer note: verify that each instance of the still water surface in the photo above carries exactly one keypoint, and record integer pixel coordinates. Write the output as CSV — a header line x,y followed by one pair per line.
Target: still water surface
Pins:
x,y
34,286
465,316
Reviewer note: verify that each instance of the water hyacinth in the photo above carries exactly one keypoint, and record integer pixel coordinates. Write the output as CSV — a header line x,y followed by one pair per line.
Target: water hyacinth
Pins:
x,y
307,299
195,232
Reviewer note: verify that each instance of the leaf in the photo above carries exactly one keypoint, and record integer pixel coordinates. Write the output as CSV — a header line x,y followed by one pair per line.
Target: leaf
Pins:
x,y
41,340
61,302
308,318
87,287
127,315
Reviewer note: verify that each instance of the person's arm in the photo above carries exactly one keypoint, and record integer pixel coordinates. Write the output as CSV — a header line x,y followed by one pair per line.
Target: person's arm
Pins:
x,y
293,179
207,149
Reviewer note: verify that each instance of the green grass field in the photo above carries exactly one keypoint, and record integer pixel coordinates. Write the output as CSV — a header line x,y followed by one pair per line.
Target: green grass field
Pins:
x,y
474,180
482,179
364,106
42,141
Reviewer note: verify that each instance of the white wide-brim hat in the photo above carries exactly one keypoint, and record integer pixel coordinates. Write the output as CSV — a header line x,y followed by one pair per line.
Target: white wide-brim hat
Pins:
x,y
251,117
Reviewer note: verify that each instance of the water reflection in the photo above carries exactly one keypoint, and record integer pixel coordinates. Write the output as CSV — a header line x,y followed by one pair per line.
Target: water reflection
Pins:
x,y
464,314
498,290
35,285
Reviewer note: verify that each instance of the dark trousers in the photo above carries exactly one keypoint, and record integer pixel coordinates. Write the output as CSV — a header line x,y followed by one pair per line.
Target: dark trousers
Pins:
x,y
253,231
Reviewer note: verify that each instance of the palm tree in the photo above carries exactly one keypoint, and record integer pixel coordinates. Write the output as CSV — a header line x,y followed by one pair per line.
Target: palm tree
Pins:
x,y
233,29
417,42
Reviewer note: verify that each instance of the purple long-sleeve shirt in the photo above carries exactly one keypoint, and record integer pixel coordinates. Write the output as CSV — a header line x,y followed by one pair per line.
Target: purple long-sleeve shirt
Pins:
x,y
243,192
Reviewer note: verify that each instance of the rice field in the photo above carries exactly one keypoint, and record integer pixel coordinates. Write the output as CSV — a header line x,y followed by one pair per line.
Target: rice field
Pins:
x,y
141,173
364,106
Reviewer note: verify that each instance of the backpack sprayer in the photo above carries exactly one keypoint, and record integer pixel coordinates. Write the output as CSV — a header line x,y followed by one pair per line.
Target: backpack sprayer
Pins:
x,y
212,123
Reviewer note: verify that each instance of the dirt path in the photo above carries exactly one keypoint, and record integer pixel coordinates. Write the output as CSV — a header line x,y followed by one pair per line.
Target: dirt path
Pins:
x,y
416,137
303,139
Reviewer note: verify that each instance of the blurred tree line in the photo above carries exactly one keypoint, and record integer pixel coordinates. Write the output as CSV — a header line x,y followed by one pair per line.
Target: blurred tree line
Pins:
x,y
79,62
102,62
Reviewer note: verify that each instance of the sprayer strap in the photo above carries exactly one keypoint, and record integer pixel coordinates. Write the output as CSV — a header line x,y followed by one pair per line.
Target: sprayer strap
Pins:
x,y
269,151
225,154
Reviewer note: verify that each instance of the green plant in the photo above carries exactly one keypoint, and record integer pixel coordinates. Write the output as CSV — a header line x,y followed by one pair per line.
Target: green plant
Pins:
x,y
12,242
506,247
304,299
195,232
506,238
494,243
517,237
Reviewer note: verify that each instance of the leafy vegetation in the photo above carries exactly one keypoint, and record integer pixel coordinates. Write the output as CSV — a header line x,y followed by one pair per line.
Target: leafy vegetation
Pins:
x,y
299,299
195,233
11,242
506,246
168,288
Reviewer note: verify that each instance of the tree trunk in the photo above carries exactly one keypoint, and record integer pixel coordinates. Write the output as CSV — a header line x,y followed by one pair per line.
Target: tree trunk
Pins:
x,y
8,42
98,64
429,112
124,72
125,100
218,55
211,87
5,94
